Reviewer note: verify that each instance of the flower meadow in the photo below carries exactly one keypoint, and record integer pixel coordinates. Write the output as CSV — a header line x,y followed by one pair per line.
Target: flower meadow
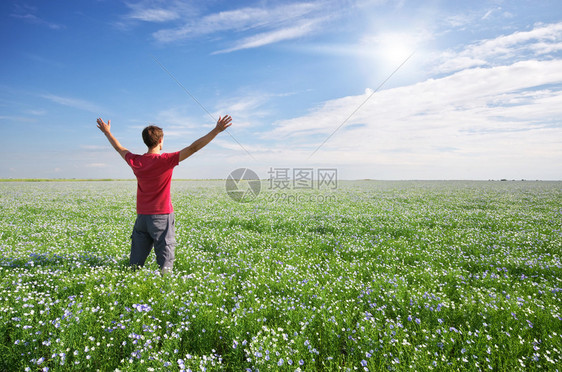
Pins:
x,y
382,276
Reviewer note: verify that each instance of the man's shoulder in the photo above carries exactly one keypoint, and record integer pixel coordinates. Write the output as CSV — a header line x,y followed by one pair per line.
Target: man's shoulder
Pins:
x,y
130,155
171,156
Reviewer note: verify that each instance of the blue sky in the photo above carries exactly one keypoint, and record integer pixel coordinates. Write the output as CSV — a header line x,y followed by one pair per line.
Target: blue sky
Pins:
x,y
480,98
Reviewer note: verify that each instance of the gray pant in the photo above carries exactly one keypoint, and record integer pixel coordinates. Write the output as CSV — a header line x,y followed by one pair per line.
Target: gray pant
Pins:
x,y
153,230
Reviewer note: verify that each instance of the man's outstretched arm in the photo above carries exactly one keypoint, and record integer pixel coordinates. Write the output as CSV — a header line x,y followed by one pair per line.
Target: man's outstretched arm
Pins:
x,y
106,129
222,124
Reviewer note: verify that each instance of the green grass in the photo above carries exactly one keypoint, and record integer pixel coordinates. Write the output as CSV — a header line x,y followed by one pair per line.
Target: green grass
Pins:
x,y
379,276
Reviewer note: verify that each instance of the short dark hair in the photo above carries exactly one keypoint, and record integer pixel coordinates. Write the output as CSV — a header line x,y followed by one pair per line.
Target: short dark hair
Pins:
x,y
152,135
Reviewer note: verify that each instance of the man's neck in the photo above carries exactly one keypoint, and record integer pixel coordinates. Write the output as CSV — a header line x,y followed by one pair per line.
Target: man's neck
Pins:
x,y
154,150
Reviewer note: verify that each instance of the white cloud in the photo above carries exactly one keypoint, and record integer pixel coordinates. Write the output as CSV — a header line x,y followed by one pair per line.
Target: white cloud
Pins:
x,y
180,125
473,91
248,108
154,15
158,11
93,147
251,27
96,165
22,119
473,17
74,103
253,18
36,112
177,117
29,14
538,42
238,20
271,37
503,116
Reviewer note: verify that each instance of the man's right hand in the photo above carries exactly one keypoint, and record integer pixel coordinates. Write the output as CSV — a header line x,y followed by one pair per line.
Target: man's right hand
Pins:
x,y
105,128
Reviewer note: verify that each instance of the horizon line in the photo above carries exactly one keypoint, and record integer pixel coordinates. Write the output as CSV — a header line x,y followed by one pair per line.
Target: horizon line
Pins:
x,y
63,179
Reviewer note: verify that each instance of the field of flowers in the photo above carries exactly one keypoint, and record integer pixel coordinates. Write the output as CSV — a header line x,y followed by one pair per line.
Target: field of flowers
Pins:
x,y
380,276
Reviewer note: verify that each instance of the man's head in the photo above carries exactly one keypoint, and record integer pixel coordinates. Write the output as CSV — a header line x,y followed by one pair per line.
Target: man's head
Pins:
x,y
152,136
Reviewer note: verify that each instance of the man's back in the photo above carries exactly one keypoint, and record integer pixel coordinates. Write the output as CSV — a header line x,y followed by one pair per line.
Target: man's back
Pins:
x,y
154,176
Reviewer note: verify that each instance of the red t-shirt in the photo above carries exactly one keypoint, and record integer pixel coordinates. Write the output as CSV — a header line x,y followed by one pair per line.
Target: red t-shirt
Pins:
x,y
154,177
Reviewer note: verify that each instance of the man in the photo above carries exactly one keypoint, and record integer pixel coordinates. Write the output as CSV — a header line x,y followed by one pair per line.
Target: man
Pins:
x,y
154,226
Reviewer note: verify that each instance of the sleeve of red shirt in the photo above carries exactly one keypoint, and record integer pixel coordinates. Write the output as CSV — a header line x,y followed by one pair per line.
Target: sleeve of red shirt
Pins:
x,y
173,158
129,158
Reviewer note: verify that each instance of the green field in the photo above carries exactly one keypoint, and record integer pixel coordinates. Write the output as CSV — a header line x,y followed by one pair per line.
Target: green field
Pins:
x,y
374,275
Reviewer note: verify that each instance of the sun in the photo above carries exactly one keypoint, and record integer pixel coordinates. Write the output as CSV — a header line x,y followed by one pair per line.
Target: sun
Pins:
x,y
390,49
395,48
